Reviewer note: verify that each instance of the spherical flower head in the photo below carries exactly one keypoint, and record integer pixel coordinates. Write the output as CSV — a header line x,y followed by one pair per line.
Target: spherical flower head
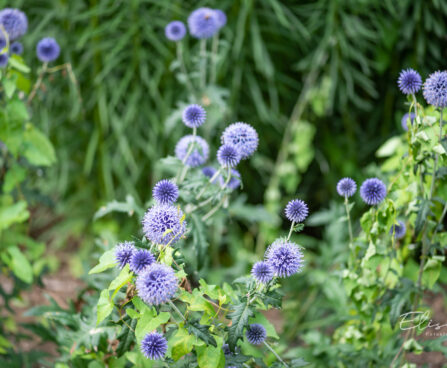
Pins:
x,y
164,224
243,136
435,89
141,259
4,60
228,155
156,284
199,154
398,230
405,119
373,191
175,30
165,192
14,22
208,171
284,257
16,48
346,187
154,346
256,334
234,182
296,210
123,253
47,50
409,81
203,23
221,18
194,116
262,272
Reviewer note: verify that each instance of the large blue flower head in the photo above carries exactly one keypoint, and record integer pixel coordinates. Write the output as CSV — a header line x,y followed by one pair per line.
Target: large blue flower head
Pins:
x,y
409,81
435,89
296,210
228,155
407,118
194,116
47,49
123,253
262,272
154,346
221,18
346,187
199,154
373,191
14,22
165,192
141,259
4,60
398,230
164,224
256,334
285,258
175,30
16,48
156,284
243,136
235,180
203,23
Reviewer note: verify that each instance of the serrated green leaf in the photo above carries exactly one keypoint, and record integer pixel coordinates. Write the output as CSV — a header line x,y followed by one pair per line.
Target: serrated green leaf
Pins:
x,y
122,279
239,319
107,260
201,331
149,321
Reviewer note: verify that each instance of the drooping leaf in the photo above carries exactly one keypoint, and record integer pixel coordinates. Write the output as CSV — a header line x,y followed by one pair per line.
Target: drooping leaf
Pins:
x,y
107,260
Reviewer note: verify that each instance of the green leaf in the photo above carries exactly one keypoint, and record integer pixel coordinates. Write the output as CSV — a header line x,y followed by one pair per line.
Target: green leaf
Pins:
x,y
10,86
210,356
126,336
38,149
14,213
421,218
104,306
201,331
181,343
200,242
107,260
260,318
432,270
18,64
122,279
14,176
132,313
149,321
389,147
130,207
239,319
20,265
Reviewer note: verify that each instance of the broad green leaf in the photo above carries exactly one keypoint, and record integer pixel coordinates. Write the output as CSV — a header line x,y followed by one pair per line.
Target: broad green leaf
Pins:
x,y
389,147
20,265
432,270
210,356
181,343
132,313
104,306
122,279
262,320
18,64
195,328
149,321
239,319
14,176
14,213
38,149
107,260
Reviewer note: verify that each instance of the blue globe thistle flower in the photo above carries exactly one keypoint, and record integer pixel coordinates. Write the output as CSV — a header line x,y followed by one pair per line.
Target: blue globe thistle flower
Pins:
x,y
141,259
262,272
285,258
175,30
409,81
208,171
154,346
163,224
405,119
156,284
14,22
199,154
2,42
165,192
123,253
194,116
297,210
4,60
435,89
203,23
234,182
221,18
243,136
399,230
256,334
47,50
346,187
373,191
228,155
16,48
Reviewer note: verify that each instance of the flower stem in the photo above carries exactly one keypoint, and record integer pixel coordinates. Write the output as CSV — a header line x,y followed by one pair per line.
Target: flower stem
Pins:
x,y
351,237
202,64
213,210
216,174
228,179
185,169
435,167
275,354
38,82
291,230
183,68
176,309
215,47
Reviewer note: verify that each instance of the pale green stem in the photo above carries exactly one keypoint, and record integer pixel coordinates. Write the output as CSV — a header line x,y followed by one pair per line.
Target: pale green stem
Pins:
x,y
275,354
435,167
38,82
228,179
176,309
291,230
213,210
216,174
215,47
203,64
351,237
188,153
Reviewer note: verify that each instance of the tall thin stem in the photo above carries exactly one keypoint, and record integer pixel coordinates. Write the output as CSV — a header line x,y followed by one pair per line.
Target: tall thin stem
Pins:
x,y
181,61
203,64
435,167
214,177
214,49
291,230
275,354
38,82
351,237
176,309
185,169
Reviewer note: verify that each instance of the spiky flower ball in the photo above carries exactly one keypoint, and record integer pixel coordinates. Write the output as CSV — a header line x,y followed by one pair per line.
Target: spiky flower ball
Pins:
x,y
193,116
407,118
164,224
4,60
262,272
435,89
296,210
47,49
141,259
409,81
165,192
284,257
14,22
203,23
243,136
228,155
398,230
156,284
154,346
234,182
199,154
256,334
373,191
123,253
16,48
221,18
346,187
175,30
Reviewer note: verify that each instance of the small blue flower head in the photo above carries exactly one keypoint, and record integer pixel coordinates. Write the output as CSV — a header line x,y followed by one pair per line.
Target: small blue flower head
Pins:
x,y
165,192
284,257
203,23
164,224
256,334
194,116
123,253
435,89
234,182
296,210
156,284
2,42
16,48
199,154
228,155
262,272
175,30
398,230
405,119
346,187
154,346
243,136
209,171
409,81
141,259
14,22
221,18
4,60
373,191
47,50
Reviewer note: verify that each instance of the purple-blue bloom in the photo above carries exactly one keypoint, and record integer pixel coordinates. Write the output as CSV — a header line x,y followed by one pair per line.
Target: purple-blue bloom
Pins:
x,y
175,30
14,22
373,191
123,253
221,18
156,284
16,48
163,224
234,182
296,210
199,154
243,136
208,171
409,81
154,346
4,60
262,272
398,230
194,116
346,187
405,119
140,259
285,257
165,192
203,23
47,49
2,42
256,334
435,89
228,155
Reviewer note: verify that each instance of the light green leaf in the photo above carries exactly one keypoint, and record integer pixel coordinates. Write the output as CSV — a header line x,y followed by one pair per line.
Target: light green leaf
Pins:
x,y
210,356
260,318
149,321
432,270
14,176
14,213
122,279
104,306
132,313
16,63
38,149
20,265
107,260
181,343
389,147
